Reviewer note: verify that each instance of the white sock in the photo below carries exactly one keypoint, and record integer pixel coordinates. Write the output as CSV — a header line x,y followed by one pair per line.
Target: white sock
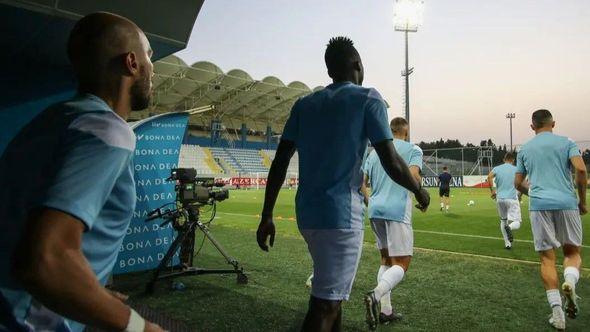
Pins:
x,y
388,281
504,234
558,312
386,307
554,298
514,225
442,205
446,207
571,275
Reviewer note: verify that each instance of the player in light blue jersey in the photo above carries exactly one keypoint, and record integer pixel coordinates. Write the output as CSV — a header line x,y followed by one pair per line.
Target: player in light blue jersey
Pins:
x,y
68,193
330,129
548,160
390,212
506,197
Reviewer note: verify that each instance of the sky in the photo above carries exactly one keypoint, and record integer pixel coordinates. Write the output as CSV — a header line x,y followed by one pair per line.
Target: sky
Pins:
x,y
474,60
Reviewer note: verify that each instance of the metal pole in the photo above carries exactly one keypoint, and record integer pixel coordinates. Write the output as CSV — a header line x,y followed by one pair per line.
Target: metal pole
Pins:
x,y
462,162
511,116
511,149
407,87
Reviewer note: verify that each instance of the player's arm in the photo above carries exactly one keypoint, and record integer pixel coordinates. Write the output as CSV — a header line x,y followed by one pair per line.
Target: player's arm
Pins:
x,y
51,266
415,170
491,183
581,181
395,166
276,177
365,189
521,184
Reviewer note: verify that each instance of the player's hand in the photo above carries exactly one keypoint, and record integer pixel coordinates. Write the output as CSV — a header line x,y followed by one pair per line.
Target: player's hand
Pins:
x,y
423,198
493,194
583,208
266,228
152,327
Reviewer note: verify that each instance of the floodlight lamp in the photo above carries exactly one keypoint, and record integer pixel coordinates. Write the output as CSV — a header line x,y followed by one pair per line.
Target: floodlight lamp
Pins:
x,y
408,14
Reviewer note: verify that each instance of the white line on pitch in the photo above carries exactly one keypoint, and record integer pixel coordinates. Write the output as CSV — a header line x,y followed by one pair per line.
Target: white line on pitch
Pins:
x,y
487,257
421,231
474,236
445,251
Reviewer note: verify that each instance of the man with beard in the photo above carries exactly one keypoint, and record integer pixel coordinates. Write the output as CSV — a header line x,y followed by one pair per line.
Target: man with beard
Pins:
x,y
67,189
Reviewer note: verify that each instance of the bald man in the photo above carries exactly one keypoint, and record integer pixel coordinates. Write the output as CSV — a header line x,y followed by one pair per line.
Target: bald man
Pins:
x,y
67,189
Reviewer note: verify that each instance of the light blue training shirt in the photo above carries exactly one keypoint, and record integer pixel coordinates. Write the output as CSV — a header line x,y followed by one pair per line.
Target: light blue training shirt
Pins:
x,y
388,200
74,157
331,129
504,175
546,161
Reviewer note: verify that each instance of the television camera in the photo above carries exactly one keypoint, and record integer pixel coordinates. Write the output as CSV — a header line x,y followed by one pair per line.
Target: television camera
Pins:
x,y
192,194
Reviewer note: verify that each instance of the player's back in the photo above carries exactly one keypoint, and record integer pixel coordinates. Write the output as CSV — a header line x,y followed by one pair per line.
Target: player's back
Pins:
x,y
546,160
389,200
331,129
444,179
504,175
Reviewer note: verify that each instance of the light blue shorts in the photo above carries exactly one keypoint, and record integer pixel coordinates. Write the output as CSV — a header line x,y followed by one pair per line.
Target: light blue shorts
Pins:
x,y
335,254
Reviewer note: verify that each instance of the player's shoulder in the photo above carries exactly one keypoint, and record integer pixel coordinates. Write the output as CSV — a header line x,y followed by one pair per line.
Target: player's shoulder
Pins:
x,y
95,118
416,148
370,93
406,146
564,139
554,138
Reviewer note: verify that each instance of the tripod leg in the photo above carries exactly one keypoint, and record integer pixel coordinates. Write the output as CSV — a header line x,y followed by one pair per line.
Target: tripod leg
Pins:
x,y
187,248
218,246
164,263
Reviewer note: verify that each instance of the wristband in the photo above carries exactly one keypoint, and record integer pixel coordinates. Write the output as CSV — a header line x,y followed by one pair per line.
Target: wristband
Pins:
x,y
136,322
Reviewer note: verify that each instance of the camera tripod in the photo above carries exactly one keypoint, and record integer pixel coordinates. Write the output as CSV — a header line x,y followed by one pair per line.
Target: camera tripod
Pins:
x,y
186,240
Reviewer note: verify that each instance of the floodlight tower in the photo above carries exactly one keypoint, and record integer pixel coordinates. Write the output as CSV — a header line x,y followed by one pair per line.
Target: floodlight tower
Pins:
x,y
511,116
407,17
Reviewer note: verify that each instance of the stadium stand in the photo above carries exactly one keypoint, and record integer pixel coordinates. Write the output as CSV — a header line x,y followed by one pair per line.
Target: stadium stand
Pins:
x,y
241,160
201,159
227,161
293,165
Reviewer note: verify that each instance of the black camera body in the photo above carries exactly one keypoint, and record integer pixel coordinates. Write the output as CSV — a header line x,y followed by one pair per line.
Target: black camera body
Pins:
x,y
193,190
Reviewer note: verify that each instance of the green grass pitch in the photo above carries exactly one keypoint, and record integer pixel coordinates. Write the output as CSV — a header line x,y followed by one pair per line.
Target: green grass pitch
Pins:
x,y
461,277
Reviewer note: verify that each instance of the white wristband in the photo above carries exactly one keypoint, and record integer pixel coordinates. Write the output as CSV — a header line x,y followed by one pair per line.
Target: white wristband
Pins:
x,y
136,322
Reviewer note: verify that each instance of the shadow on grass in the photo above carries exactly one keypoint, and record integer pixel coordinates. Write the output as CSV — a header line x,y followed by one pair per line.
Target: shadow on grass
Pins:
x,y
205,306
451,215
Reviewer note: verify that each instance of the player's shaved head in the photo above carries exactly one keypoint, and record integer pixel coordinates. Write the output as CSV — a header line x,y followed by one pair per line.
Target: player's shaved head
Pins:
x,y
542,118
398,125
104,48
510,156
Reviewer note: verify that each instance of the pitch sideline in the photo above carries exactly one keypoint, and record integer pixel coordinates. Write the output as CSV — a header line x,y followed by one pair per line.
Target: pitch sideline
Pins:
x,y
439,250
415,230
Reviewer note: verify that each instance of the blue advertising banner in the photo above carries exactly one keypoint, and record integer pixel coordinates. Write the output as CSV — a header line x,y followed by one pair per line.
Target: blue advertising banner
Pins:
x,y
156,153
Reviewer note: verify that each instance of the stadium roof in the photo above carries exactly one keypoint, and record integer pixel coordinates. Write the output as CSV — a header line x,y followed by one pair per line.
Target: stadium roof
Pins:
x,y
237,97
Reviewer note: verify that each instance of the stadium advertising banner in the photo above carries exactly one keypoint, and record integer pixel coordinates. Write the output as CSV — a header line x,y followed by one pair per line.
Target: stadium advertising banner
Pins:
x,y
157,152
432,181
476,181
